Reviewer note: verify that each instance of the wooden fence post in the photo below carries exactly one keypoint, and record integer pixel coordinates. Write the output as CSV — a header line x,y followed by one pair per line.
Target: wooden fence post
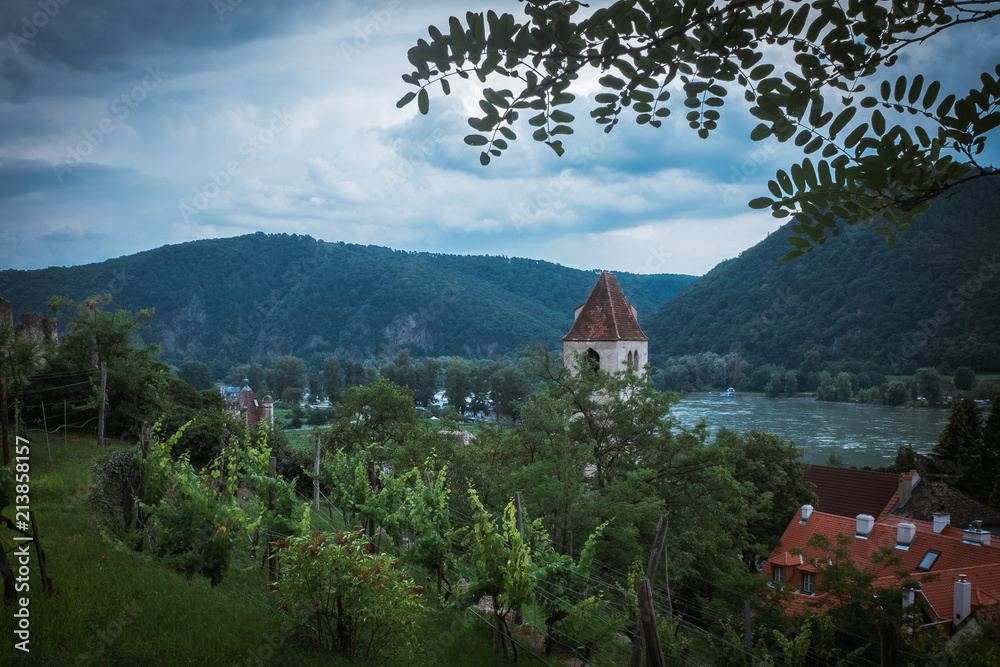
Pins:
x,y
647,615
45,427
101,407
651,567
519,519
272,558
36,538
316,477
140,491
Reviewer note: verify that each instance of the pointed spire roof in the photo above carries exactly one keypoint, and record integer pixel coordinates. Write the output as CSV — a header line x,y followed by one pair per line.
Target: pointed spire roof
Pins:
x,y
606,315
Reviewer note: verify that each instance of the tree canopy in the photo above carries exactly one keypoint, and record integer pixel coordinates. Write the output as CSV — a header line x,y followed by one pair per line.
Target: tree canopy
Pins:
x,y
873,148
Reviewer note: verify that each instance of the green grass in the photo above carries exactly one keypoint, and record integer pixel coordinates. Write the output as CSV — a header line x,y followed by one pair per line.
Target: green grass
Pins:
x,y
113,606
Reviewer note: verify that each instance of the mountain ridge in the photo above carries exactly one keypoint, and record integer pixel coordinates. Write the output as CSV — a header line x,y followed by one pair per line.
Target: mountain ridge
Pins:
x,y
230,301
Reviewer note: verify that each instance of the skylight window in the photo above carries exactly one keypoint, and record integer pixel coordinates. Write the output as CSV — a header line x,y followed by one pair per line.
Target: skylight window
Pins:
x,y
928,560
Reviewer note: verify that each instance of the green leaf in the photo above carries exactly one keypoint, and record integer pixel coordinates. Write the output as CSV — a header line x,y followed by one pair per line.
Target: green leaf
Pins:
x,y
484,158
841,121
557,147
900,89
537,121
915,88
878,122
610,81
762,131
855,136
445,86
760,202
476,140
423,101
760,71
406,99
931,95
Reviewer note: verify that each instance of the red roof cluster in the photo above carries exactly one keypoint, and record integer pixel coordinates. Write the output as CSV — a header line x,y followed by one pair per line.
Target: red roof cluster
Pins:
x,y
606,314
980,563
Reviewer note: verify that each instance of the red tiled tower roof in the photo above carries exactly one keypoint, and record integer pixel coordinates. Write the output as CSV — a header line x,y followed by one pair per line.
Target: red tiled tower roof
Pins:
x,y
606,314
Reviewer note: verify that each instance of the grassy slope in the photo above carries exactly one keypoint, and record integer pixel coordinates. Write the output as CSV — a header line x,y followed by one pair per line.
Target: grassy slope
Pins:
x,y
112,606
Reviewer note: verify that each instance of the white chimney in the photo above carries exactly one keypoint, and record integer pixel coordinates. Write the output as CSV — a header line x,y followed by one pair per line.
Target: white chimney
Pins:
x,y
807,511
941,520
975,534
908,597
905,533
963,599
865,524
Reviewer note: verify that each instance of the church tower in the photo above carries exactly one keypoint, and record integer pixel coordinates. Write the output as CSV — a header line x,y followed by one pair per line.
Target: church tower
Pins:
x,y
605,328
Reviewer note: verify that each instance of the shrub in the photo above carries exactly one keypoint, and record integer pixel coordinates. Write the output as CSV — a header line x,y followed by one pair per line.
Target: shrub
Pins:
x,y
112,500
359,602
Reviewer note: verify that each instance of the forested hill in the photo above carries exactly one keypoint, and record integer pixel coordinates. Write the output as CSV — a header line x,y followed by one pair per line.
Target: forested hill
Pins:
x,y
932,299
254,297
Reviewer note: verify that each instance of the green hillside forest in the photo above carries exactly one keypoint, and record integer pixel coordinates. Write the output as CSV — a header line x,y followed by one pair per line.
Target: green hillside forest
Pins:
x,y
253,298
933,300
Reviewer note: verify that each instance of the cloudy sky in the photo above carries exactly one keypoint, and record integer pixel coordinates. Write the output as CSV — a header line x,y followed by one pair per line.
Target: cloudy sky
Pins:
x,y
128,125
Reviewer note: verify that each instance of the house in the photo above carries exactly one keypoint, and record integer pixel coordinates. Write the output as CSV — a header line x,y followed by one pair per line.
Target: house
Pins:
x,y
879,510
848,492
243,403
606,328
966,561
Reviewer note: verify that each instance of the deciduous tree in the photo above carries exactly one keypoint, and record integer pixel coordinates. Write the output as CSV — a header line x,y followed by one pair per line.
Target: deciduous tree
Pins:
x,y
818,75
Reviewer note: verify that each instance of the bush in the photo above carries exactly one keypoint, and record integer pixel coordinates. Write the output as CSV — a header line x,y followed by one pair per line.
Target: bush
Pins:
x,y
360,603
116,479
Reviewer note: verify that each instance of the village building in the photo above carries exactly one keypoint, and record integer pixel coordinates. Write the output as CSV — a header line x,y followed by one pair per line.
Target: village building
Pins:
x,y
881,510
606,329
242,403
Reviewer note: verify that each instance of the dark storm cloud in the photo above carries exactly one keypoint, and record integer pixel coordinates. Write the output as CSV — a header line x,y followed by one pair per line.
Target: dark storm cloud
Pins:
x,y
98,36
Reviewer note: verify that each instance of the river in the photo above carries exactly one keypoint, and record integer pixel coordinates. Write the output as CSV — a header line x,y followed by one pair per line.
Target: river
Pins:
x,y
864,435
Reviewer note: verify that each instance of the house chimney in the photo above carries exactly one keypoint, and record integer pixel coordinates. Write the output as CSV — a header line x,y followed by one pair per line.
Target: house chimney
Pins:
x,y
963,599
909,595
975,534
865,524
907,482
807,511
941,519
905,532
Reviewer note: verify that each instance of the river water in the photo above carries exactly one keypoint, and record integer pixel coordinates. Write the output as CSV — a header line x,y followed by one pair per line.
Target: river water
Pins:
x,y
863,435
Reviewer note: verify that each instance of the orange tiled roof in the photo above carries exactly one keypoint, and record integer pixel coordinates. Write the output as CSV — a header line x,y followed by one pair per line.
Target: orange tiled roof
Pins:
x,y
980,563
605,315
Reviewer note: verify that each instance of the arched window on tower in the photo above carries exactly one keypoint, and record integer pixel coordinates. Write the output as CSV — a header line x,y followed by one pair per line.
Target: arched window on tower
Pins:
x,y
629,359
593,358
635,360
